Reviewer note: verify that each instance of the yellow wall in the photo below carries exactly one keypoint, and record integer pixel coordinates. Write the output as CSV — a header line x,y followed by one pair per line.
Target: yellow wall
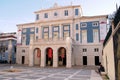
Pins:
x,y
108,59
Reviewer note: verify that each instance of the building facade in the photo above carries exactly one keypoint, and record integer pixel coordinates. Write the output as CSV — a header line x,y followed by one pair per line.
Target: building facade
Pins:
x,y
111,48
8,47
61,36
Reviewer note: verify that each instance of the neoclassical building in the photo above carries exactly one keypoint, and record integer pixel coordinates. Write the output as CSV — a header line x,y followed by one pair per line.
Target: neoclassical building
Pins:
x,y
8,47
61,36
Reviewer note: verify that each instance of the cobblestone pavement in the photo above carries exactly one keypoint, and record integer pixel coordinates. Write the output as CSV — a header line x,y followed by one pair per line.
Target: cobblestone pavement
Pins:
x,y
37,73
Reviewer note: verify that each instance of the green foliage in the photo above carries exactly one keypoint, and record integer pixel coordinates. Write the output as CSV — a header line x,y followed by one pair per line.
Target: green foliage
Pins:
x,y
117,17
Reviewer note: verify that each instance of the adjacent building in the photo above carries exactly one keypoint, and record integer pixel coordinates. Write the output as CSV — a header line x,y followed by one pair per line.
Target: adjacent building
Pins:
x,y
8,47
61,36
111,49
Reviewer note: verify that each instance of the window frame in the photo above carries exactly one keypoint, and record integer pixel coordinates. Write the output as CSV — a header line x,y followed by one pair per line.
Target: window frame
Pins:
x,y
77,36
37,16
32,29
24,30
55,14
37,29
76,12
66,13
55,31
66,30
77,27
96,49
45,15
95,24
85,25
84,50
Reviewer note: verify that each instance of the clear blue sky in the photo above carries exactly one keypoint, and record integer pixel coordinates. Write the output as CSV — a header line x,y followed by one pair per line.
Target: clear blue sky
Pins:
x,y
14,12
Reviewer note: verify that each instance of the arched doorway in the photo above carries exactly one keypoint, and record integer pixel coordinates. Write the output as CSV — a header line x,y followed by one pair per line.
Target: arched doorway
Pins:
x,y
37,57
49,57
61,56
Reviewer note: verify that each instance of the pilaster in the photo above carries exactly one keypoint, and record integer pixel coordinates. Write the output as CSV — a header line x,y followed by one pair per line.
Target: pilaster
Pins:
x,y
71,30
61,31
69,52
40,32
43,60
50,31
30,55
55,58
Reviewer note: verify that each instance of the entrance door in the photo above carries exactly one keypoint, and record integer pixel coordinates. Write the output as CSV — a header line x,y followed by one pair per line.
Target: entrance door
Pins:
x,y
62,56
49,57
23,59
97,60
84,60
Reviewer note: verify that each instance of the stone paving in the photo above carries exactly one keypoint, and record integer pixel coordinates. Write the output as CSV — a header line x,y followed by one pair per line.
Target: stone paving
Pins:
x,y
37,73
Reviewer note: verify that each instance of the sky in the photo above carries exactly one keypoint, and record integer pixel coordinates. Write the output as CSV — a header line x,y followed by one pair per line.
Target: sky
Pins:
x,y
13,12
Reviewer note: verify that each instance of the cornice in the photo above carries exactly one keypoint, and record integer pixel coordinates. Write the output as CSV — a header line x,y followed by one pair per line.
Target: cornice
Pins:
x,y
55,8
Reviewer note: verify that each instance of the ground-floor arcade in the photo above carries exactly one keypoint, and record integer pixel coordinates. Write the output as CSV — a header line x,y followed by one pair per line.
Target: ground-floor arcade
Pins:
x,y
50,56
60,55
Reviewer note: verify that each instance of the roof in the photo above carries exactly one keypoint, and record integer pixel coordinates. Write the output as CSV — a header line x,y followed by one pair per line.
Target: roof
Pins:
x,y
32,23
97,16
57,7
10,36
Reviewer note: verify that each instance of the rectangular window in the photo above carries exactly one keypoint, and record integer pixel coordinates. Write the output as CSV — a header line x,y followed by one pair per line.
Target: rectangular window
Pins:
x,y
46,33
23,51
77,37
3,55
55,14
55,35
84,50
83,24
24,30
36,30
96,50
32,29
45,36
76,12
95,24
77,28
84,36
95,35
66,34
32,36
46,15
36,37
37,16
66,12
66,31
56,32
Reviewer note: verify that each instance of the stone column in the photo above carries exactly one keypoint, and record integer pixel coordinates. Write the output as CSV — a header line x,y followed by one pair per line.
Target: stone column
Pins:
x,y
43,57
69,52
55,58
61,31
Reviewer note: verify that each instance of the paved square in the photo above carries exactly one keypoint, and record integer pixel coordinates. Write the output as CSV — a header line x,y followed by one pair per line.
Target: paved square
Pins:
x,y
37,73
